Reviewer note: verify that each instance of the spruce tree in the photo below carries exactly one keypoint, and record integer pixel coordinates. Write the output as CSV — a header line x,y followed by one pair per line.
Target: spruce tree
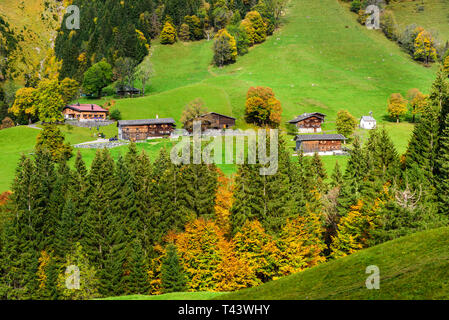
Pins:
x,y
337,177
138,278
355,173
67,230
172,274
442,172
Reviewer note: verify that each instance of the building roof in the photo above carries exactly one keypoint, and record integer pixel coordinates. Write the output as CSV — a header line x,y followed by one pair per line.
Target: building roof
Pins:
x,y
127,89
86,108
218,114
306,116
145,122
319,137
368,119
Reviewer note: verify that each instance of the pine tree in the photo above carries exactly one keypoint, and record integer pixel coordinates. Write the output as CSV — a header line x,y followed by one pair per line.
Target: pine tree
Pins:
x,y
319,173
137,281
422,150
442,172
172,273
66,231
439,97
355,173
337,177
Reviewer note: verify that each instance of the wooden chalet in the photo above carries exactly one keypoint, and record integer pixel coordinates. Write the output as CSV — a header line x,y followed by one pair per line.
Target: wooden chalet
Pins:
x,y
127,91
84,112
308,122
211,120
319,143
136,130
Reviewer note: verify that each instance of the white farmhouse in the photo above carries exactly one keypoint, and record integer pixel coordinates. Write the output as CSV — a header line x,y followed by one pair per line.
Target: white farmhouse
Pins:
x,y
368,122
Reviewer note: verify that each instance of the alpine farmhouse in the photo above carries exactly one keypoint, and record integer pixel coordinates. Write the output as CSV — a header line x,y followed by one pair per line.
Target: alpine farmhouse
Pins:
x,y
138,130
211,121
323,144
84,112
308,122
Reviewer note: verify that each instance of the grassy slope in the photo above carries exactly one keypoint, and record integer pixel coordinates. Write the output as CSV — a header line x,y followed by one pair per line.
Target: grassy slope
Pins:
x,y
14,142
26,19
435,15
413,267
171,296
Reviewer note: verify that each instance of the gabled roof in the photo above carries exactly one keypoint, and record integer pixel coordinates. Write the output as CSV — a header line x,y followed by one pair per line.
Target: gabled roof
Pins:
x,y
86,108
219,114
145,122
319,137
368,119
306,116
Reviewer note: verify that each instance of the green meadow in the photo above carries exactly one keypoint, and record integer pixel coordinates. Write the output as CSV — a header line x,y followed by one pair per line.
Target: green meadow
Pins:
x,y
320,60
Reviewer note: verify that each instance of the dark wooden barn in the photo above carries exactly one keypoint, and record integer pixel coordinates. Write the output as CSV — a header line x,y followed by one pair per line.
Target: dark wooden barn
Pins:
x,y
211,120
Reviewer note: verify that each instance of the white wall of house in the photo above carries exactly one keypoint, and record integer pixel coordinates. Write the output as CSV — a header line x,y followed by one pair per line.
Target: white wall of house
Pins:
x,y
308,130
369,125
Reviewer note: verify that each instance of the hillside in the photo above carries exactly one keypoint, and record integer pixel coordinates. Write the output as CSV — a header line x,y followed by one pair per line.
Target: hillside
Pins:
x,y
430,14
412,267
321,60
34,23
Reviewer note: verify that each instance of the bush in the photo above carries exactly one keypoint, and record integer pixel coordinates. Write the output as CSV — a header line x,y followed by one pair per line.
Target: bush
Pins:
x,y
7,123
115,115
388,25
356,5
168,34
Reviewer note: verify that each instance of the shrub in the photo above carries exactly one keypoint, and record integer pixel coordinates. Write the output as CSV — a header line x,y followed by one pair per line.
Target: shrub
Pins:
x,y
7,123
356,5
115,115
184,33
168,34
388,25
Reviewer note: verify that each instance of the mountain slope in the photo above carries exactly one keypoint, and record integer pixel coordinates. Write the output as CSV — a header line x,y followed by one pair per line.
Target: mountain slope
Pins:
x,y
412,267
430,14
320,60
34,23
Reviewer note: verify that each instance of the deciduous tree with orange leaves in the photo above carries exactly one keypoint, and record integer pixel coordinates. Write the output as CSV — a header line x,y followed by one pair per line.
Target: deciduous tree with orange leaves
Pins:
x,y
262,107
223,203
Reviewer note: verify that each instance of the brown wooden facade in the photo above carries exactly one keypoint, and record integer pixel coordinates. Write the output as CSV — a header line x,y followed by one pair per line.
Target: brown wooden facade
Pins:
x,y
323,143
138,130
313,123
309,122
321,146
212,120
85,112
